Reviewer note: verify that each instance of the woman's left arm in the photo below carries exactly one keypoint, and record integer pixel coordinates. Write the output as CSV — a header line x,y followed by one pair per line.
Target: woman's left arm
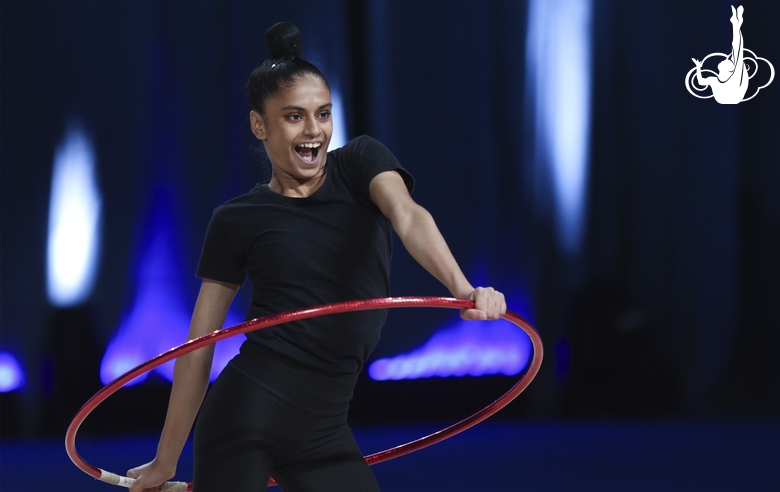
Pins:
x,y
417,230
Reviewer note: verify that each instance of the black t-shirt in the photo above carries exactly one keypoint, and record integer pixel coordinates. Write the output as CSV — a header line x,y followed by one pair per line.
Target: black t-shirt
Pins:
x,y
331,246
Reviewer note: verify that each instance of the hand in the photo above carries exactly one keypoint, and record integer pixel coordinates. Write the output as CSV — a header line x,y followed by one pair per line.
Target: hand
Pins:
x,y
697,62
488,304
149,477
736,15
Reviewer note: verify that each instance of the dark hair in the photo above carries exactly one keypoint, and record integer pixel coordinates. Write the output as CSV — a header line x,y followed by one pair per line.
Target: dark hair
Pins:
x,y
285,45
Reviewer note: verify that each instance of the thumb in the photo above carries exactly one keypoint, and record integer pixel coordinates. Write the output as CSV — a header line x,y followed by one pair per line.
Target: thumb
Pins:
x,y
473,314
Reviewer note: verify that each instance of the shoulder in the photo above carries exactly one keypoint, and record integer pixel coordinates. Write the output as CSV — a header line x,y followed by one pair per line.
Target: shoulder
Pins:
x,y
240,203
363,145
364,154
363,158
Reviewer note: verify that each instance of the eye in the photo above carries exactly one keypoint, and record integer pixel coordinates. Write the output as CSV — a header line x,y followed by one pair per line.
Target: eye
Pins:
x,y
324,115
294,117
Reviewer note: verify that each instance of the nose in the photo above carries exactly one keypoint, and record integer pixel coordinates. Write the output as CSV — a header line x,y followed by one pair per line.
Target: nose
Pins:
x,y
312,127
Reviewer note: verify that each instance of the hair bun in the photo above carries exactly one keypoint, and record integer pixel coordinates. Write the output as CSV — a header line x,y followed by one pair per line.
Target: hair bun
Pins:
x,y
284,39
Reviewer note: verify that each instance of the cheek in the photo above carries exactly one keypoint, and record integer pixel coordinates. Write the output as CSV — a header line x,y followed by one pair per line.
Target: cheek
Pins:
x,y
275,146
280,139
327,128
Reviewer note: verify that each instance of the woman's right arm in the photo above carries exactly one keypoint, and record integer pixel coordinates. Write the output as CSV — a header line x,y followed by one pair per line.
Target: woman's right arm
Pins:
x,y
190,381
701,80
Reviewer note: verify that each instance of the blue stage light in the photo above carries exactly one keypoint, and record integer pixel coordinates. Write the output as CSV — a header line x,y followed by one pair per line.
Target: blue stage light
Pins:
x,y
156,323
11,374
74,219
151,329
465,348
339,136
160,316
558,60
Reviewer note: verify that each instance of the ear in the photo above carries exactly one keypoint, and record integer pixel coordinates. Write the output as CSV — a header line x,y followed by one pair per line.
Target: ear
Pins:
x,y
257,125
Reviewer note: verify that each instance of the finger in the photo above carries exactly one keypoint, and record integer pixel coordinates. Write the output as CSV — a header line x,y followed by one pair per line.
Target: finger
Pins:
x,y
138,486
490,301
501,305
481,294
473,314
495,305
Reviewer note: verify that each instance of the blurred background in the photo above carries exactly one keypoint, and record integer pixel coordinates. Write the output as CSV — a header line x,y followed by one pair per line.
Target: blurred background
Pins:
x,y
557,145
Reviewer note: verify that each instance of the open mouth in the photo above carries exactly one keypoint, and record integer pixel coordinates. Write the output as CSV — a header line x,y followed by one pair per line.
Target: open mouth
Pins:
x,y
308,152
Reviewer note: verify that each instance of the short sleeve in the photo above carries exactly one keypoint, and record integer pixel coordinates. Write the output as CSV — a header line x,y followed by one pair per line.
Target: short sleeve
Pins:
x,y
364,158
219,259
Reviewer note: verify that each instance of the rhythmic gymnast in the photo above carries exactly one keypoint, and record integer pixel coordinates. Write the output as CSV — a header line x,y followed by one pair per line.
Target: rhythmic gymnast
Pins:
x,y
317,232
731,84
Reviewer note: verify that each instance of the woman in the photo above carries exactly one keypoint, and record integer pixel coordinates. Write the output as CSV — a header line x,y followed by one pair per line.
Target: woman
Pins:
x,y
317,232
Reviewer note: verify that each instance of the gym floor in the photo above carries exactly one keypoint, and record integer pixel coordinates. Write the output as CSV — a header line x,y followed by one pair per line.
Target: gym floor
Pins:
x,y
495,456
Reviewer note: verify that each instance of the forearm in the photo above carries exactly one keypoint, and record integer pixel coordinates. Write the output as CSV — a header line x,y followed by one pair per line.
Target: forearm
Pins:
x,y
417,230
699,78
191,372
191,378
421,237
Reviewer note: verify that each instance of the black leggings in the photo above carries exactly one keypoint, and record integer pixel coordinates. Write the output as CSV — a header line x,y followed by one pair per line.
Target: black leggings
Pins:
x,y
290,429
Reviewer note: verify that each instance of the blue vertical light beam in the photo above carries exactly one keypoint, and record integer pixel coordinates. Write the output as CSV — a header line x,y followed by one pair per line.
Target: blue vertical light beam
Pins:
x,y
558,58
74,219
339,136
160,315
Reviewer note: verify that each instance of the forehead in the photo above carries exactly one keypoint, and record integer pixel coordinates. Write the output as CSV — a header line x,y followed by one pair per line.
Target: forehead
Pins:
x,y
307,92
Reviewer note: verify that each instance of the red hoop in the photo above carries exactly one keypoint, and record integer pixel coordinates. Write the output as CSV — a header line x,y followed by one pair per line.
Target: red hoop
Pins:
x,y
265,322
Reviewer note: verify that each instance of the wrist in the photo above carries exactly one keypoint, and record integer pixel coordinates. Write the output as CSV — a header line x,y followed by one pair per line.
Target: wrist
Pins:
x,y
165,467
166,463
462,291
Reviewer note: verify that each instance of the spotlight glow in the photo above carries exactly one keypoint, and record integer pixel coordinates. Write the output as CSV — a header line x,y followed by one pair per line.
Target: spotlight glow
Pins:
x,y
558,62
74,217
466,348
153,328
156,323
11,374
160,316
339,136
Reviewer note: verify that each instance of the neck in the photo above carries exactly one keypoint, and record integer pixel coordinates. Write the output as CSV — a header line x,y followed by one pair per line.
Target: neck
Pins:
x,y
296,188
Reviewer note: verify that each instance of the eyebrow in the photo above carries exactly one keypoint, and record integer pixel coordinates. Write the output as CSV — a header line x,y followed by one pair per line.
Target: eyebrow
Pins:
x,y
298,108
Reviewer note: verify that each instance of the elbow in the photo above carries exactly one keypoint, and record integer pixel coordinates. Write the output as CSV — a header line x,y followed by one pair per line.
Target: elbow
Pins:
x,y
411,218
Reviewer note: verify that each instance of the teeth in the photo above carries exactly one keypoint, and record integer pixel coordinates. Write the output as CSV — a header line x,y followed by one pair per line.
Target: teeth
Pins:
x,y
310,145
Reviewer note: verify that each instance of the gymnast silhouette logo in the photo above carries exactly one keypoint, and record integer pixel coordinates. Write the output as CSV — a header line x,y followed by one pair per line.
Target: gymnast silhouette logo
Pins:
x,y
730,84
